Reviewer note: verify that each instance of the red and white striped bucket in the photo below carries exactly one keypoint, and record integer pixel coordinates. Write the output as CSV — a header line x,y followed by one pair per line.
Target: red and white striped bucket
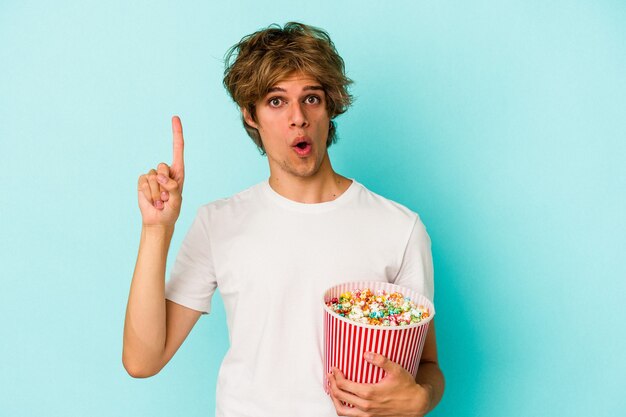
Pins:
x,y
345,341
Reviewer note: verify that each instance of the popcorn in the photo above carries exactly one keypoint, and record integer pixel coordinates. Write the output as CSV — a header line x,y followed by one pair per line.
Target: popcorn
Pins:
x,y
380,309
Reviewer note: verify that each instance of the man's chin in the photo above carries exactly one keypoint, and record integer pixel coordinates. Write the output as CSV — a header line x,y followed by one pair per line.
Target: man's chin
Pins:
x,y
305,171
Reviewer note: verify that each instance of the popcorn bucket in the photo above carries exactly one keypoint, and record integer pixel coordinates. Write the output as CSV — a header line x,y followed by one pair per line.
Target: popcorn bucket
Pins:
x,y
345,340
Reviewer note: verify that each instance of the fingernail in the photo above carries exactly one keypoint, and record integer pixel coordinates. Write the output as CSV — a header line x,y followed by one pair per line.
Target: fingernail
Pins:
x,y
161,178
158,204
368,356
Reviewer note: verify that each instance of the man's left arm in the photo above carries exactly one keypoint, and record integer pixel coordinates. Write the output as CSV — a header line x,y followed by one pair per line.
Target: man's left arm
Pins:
x,y
397,394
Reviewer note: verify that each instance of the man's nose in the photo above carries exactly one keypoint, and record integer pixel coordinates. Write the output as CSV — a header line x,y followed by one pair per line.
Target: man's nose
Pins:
x,y
297,116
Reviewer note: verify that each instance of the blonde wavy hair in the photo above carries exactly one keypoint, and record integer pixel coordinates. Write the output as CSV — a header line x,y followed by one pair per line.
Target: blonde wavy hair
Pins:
x,y
260,60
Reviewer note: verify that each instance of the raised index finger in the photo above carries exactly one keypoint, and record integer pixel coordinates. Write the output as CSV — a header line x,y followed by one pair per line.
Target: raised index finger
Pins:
x,y
178,161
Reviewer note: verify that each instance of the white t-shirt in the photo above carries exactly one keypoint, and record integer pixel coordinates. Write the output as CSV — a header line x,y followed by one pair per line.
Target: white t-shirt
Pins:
x,y
272,259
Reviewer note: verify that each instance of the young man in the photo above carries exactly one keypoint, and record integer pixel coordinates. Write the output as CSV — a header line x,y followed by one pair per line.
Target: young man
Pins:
x,y
274,248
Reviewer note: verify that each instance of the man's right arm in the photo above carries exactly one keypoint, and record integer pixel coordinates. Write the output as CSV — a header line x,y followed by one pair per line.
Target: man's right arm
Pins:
x,y
155,328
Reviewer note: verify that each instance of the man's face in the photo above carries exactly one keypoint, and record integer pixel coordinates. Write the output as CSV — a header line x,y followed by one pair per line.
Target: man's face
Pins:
x,y
293,123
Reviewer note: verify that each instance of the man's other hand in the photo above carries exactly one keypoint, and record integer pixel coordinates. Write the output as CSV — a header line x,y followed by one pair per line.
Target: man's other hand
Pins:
x,y
397,394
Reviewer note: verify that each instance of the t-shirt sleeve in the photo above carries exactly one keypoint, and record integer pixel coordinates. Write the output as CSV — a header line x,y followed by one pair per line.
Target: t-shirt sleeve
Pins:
x,y
192,279
416,271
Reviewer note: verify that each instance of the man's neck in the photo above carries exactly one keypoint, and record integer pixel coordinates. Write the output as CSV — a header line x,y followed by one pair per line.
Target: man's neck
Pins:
x,y
325,185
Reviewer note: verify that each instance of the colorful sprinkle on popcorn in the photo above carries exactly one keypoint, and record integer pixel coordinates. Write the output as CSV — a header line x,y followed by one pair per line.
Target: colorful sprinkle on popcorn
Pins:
x,y
380,308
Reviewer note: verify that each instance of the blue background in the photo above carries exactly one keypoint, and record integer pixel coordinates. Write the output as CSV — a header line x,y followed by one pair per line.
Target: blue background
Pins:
x,y
500,122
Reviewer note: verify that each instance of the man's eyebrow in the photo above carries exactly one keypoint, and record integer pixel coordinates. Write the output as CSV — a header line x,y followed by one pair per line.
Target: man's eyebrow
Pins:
x,y
305,88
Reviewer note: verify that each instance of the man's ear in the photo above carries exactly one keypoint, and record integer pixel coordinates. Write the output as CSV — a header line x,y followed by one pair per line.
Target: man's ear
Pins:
x,y
248,118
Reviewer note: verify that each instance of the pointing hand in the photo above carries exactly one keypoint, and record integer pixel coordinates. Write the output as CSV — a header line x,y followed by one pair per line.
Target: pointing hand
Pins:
x,y
160,190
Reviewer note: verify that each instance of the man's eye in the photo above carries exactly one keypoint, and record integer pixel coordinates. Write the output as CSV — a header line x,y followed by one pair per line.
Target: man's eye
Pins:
x,y
275,102
312,99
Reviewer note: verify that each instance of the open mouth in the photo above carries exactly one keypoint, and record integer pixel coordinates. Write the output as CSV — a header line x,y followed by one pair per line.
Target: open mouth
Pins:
x,y
302,148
